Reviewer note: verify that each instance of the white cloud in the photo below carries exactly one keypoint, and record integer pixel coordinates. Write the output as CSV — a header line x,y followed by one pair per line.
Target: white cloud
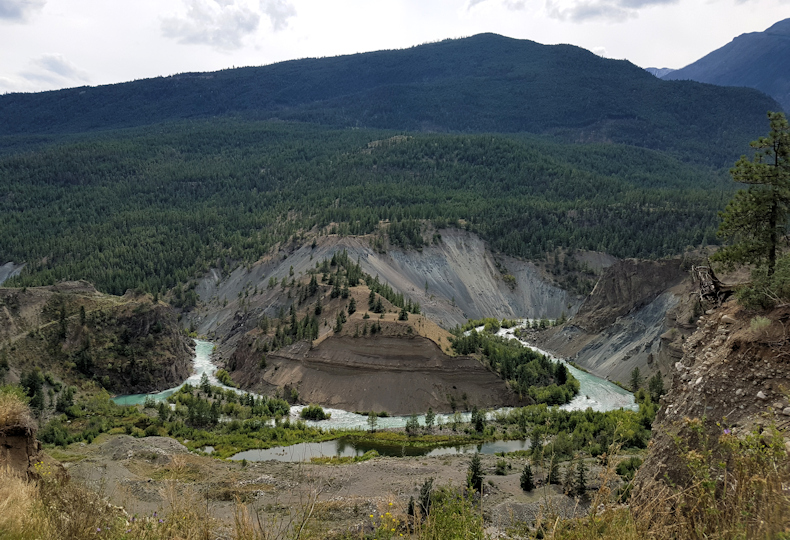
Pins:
x,y
19,10
54,70
514,5
279,11
584,10
224,24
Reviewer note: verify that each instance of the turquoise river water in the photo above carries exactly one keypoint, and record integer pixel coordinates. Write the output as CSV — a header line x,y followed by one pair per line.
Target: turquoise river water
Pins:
x,y
595,393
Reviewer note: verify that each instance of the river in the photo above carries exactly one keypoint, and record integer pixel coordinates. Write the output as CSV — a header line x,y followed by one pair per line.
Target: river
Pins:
x,y
344,448
201,364
595,393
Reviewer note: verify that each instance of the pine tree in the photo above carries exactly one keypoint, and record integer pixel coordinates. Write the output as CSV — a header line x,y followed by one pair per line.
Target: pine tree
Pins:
x,y
536,446
412,425
205,385
373,420
312,288
580,483
474,475
527,483
656,387
553,474
755,219
426,492
478,419
636,379
429,419
568,486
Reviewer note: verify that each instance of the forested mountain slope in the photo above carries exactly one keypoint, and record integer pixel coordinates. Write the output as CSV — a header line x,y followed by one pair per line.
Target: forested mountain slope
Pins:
x,y
155,208
485,83
758,60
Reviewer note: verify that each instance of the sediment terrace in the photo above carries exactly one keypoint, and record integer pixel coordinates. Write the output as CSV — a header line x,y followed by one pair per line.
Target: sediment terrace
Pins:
x,y
394,374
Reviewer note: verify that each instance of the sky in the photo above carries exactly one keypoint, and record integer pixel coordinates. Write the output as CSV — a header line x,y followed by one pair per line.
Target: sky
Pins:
x,y
51,44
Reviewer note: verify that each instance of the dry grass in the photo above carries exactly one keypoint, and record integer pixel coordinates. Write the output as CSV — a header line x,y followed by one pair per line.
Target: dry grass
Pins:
x,y
14,412
736,490
69,511
294,522
20,508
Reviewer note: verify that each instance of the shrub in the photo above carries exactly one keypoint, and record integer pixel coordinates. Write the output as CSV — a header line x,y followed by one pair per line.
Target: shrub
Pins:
x,y
412,425
628,467
224,377
314,412
13,407
759,324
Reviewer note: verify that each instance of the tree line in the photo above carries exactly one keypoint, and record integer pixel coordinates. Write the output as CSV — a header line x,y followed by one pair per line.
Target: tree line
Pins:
x,y
146,209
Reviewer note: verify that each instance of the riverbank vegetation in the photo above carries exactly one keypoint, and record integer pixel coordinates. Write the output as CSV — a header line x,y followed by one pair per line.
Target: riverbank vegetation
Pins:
x,y
232,422
754,504
527,372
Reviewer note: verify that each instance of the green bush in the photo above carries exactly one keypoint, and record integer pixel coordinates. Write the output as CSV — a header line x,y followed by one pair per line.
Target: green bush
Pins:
x,y
224,377
628,467
314,412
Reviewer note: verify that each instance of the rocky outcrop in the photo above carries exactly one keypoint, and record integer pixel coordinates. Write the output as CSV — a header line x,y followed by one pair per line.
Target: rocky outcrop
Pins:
x,y
625,287
732,379
19,449
145,351
9,270
635,317
127,344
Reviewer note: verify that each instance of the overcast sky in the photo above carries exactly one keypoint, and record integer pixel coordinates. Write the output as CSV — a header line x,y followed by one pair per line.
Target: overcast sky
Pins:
x,y
49,44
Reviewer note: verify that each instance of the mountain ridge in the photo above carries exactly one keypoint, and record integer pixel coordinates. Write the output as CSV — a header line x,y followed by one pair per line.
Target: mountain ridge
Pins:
x,y
759,60
485,83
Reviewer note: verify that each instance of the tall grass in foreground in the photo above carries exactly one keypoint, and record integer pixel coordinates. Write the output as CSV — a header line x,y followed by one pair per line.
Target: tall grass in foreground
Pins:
x,y
52,509
737,488
734,488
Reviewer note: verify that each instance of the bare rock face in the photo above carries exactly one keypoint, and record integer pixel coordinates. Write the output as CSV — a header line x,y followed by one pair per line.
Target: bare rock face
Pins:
x,y
455,278
626,286
21,452
636,317
19,449
732,380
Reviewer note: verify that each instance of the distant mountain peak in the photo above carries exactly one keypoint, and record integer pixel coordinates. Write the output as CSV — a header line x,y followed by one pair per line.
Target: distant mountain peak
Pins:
x,y
486,83
660,72
759,60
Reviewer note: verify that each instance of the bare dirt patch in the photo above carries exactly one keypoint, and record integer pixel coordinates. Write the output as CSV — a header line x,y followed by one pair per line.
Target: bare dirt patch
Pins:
x,y
142,475
400,375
